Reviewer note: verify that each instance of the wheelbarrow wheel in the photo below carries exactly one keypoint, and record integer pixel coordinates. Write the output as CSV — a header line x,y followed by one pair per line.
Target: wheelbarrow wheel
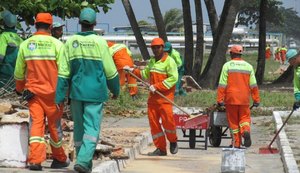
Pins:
x,y
215,136
192,138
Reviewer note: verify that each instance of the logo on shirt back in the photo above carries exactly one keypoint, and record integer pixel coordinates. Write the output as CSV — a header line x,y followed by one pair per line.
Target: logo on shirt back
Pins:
x,y
31,46
75,44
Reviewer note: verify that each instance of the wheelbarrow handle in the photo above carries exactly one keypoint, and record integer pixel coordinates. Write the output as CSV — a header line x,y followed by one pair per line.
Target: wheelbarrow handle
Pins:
x,y
159,93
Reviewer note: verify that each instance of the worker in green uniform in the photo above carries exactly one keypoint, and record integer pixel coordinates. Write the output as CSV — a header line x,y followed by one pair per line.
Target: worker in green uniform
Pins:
x,y
180,67
87,70
9,47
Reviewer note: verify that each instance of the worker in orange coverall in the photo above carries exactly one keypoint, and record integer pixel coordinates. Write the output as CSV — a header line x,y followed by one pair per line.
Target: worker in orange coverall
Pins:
x,y
277,54
162,73
237,82
268,52
283,51
122,57
36,76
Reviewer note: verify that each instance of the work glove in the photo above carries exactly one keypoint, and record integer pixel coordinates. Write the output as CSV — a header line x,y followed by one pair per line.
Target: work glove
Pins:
x,y
296,105
27,95
127,68
255,104
152,89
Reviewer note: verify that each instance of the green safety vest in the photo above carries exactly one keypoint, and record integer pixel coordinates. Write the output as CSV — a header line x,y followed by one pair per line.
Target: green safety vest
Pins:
x,y
85,64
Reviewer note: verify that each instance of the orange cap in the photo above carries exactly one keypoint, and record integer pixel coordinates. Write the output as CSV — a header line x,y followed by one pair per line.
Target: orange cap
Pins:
x,y
110,43
157,42
44,18
238,49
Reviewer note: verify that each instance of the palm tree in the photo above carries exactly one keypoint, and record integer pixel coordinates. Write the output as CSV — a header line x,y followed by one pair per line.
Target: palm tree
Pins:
x,y
173,20
211,73
136,30
199,42
159,20
212,16
188,32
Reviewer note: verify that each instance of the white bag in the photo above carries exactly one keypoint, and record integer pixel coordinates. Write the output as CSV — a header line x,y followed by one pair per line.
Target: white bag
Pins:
x,y
233,160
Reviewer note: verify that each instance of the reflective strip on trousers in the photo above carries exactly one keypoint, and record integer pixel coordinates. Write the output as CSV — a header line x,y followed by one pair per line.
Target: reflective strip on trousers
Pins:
x,y
55,144
158,135
36,139
77,143
170,131
90,138
234,131
244,124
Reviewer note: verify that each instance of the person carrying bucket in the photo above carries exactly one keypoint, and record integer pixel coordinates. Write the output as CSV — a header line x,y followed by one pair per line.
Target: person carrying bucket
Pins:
x,y
36,76
237,82
162,73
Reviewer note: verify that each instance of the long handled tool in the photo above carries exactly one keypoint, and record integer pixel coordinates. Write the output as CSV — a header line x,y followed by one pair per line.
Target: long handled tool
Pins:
x,y
269,149
159,93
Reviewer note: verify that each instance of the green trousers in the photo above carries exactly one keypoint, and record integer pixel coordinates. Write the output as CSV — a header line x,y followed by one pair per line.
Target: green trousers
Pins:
x,y
87,117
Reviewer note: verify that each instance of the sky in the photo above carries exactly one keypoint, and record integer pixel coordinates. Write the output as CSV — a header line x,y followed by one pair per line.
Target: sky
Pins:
x,y
142,9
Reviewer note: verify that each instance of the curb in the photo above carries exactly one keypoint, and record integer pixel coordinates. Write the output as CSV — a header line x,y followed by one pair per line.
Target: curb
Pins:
x,y
288,159
115,166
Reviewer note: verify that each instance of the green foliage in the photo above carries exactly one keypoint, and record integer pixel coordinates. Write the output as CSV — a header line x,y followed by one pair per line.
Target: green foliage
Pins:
x,y
27,9
249,13
173,20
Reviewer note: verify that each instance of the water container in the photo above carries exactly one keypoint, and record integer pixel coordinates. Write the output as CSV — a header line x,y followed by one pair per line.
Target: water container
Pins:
x,y
233,160
13,144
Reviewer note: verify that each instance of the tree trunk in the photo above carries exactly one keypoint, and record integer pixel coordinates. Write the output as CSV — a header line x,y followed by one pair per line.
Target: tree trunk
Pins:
x,y
286,77
159,20
217,58
136,30
188,33
261,60
199,42
212,16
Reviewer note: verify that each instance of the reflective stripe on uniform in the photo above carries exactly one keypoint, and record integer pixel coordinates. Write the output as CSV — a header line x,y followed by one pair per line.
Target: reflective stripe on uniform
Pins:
x,y
36,139
55,144
77,143
90,138
244,124
170,131
40,57
132,85
158,135
234,131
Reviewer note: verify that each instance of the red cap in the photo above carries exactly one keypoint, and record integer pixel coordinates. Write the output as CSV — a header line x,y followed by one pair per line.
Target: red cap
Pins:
x,y
238,49
44,18
157,42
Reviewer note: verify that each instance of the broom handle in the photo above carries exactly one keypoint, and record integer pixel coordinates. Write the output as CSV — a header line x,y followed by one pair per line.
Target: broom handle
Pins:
x,y
159,93
277,133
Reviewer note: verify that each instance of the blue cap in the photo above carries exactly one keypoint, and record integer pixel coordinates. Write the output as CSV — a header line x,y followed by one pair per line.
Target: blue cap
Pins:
x,y
168,47
87,16
291,53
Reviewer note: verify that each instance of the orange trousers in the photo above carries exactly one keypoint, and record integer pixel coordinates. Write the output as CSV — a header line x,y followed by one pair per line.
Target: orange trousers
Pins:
x,y
165,113
132,85
39,110
239,120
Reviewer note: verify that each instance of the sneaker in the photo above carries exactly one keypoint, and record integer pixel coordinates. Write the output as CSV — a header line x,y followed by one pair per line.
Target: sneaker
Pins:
x,y
35,166
157,152
58,164
173,147
81,169
247,139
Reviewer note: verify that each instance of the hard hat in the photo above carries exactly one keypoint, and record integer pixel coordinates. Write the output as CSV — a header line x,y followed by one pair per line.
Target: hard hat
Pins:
x,y
168,47
238,49
157,42
57,25
44,18
9,19
290,54
110,43
88,16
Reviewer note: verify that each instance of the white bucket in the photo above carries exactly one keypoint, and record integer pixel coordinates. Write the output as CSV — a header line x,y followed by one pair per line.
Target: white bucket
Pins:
x,y
13,145
233,160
